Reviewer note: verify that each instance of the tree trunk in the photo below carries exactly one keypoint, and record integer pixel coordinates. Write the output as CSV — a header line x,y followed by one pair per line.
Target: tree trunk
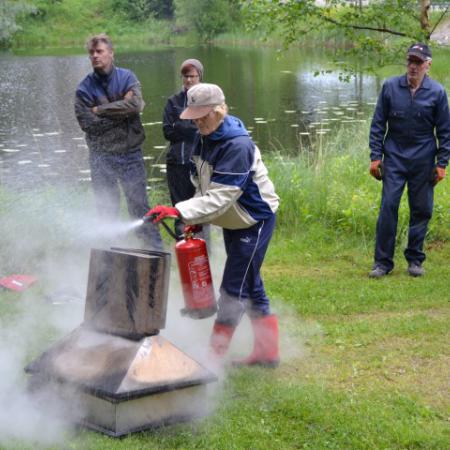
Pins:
x,y
424,19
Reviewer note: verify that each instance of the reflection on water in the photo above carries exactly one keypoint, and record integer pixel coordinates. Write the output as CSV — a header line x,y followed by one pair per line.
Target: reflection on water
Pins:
x,y
280,101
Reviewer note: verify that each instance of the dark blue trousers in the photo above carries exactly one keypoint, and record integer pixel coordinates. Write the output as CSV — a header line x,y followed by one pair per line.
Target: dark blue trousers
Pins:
x,y
242,288
180,188
418,177
108,171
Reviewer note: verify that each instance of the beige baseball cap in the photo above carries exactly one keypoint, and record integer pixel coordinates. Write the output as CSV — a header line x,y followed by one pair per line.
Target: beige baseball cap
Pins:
x,y
201,99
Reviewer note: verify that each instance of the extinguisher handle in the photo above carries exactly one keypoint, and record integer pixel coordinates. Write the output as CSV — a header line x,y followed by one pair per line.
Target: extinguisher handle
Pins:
x,y
164,224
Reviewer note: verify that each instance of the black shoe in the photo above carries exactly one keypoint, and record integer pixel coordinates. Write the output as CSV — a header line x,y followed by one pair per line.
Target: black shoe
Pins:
x,y
416,270
378,272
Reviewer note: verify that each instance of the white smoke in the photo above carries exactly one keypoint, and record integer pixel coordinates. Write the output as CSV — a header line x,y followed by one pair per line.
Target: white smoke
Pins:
x,y
53,241
25,417
48,235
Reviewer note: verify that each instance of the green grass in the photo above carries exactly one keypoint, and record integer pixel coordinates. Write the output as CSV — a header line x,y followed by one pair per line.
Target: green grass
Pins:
x,y
71,22
328,184
364,362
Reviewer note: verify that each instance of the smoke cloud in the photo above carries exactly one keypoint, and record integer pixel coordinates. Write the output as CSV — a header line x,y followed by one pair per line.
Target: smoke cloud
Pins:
x,y
50,236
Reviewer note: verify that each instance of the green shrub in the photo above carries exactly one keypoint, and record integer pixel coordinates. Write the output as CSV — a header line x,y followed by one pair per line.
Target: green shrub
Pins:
x,y
329,183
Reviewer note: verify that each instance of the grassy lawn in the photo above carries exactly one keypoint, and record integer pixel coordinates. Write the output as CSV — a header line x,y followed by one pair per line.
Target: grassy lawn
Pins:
x,y
364,362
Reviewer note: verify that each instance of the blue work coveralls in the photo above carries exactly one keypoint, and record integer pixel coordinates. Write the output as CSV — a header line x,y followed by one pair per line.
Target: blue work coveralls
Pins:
x,y
411,134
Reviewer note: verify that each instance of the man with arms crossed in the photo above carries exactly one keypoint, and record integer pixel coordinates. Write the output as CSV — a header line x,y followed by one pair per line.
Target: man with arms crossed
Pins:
x,y
107,106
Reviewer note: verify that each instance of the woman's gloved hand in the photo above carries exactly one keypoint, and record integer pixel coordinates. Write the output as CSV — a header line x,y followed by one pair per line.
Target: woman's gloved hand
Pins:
x,y
160,212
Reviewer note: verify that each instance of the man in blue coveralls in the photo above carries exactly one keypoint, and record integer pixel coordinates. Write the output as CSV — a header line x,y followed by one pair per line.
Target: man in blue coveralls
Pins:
x,y
409,143
107,106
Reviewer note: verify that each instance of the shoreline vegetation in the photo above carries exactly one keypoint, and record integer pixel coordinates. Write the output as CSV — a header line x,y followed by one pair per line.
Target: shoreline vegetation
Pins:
x,y
364,362
69,23
325,185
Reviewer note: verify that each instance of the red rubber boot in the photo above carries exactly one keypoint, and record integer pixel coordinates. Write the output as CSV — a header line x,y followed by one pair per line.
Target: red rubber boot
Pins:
x,y
220,339
265,348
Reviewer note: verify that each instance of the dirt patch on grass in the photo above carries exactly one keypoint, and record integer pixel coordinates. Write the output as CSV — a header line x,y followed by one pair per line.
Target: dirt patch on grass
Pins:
x,y
436,245
403,365
309,271
379,316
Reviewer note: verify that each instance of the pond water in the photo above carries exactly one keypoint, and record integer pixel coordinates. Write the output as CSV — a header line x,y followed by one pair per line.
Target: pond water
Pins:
x,y
278,98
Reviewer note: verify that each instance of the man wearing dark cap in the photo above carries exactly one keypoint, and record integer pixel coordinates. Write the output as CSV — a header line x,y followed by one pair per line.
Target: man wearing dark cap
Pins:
x,y
180,134
409,144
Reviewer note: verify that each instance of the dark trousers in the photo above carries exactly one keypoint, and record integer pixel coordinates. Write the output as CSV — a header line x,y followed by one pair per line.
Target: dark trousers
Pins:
x,y
418,177
180,188
108,171
242,288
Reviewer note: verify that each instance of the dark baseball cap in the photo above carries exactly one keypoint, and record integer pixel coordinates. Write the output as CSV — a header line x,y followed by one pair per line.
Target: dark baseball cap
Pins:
x,y
421,51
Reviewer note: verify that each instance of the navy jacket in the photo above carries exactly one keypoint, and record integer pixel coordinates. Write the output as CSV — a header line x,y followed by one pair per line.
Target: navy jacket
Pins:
x,y
117,126
414,128
233,189
180,133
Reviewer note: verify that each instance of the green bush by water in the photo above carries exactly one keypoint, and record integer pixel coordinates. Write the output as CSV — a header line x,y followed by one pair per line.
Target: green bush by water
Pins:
x,y
363,361
328,184
70,23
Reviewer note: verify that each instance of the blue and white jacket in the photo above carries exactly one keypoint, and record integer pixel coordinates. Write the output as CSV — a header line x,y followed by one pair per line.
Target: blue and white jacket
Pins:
x,y
233,189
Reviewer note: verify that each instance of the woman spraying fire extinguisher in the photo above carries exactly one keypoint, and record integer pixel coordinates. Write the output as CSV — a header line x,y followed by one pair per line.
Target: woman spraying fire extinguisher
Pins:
x,y
233,191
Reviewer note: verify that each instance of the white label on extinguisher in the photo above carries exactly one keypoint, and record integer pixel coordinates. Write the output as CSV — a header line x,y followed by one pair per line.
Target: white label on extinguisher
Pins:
x,y
199,272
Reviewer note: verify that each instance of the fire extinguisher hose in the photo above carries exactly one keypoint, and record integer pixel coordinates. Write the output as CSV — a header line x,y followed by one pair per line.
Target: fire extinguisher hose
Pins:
x,y
164,224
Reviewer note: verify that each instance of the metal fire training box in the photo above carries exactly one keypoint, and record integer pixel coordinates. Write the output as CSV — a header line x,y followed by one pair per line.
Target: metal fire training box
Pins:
x,y
114,373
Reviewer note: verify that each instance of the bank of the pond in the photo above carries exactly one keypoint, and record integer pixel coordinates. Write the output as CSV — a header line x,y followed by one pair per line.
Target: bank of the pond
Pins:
x,y
329,184
363,361
326,188
68,24
63,34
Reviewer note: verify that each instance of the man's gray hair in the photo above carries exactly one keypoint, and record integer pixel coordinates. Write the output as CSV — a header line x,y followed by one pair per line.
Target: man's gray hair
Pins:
x,y
98,39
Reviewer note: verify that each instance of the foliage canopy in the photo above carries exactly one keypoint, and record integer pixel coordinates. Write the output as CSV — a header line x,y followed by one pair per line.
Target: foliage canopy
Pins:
x,y
378,30
140,10
207,17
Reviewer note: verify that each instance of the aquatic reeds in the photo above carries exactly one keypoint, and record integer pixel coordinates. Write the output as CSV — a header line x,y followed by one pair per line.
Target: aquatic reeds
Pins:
x,y
328,183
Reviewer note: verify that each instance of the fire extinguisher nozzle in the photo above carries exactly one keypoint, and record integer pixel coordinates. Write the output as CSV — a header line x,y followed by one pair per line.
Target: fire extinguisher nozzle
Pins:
x,y
149,218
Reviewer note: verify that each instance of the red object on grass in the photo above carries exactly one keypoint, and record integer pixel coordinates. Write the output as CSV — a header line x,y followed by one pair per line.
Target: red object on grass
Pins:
x,y
17,282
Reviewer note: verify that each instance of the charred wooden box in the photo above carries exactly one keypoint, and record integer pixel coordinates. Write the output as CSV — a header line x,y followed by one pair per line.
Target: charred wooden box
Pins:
x,y
118,386
127,292
112,373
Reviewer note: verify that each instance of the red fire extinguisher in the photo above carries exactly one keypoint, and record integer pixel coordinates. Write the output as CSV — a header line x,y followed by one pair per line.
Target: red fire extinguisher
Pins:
x,y
195,275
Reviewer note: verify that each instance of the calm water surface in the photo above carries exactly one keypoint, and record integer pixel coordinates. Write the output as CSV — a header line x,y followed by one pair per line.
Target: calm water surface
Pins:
x,y
279,99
